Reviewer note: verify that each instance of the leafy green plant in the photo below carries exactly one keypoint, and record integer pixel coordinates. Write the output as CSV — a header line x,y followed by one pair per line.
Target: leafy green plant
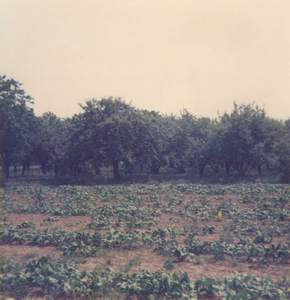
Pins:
x,y
26,224
207,288
48,220
219,251
169,264
247,286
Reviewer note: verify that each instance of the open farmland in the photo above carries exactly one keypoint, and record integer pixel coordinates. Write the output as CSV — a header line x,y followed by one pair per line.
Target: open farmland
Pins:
x,y
183,241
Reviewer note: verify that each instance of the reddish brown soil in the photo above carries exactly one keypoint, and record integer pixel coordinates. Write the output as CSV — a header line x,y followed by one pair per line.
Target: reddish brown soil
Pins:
x,y
145,257
20,254
119,260
63,222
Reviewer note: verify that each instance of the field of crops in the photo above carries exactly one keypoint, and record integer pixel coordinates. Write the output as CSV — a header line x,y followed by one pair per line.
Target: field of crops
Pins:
x,y
183,241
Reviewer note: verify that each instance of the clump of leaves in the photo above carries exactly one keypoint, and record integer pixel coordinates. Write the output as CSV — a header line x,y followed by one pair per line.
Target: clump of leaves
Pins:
x,y
47,220
227,236
169,264
207,288
248,286
26,224
208,229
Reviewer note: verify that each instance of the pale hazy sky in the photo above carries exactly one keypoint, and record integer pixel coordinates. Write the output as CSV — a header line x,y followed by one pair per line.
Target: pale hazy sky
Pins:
x,y
162,55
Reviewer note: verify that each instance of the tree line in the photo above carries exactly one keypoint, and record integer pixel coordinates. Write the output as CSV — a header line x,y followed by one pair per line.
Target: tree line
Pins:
x,y
110,132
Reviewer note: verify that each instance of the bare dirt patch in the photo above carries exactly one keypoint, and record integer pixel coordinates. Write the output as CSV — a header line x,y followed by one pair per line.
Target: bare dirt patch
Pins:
x,y
207,267
68,222
171,220
21,254
124,260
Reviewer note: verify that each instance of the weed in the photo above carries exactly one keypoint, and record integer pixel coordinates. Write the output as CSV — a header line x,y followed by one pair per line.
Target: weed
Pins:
x,y
169,264
134,262
198,260
124,268
226,236
233,262
29,256
80,260
72,224
26,224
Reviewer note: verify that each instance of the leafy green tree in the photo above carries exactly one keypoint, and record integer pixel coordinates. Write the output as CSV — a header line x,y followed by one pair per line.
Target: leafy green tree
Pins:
x,y
201,152
191,144
17,124
241,136
106,129
214,146
82,149
51,149
181,143
280,157
270,131
151,135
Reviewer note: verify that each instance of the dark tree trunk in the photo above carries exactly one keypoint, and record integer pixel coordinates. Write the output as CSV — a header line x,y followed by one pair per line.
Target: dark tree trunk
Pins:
x,y
215,168
15,170
242,169
116,171
228,168
43,168
6,170
260,170
25,167
286,176
56,169
154,167
201,170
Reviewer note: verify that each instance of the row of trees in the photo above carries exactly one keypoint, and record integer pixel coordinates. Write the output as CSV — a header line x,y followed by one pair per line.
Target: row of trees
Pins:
x,y
110,132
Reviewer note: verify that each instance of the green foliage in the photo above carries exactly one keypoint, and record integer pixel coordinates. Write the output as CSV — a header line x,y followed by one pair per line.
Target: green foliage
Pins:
x,y
169,264
56,278
280,159
119,222
18,124
26,224
206,288
158,283
103,135
52,150
111,133
243,132
247,286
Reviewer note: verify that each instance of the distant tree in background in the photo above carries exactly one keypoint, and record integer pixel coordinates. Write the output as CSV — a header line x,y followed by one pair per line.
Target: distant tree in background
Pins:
x,y
192,143
51,149
241,136
181,141
201,154
270,132
111,133
17,125
105,127
280,157
152,134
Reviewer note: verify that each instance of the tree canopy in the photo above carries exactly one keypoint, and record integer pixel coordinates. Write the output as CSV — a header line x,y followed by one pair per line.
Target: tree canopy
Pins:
x,y
111,133
17,124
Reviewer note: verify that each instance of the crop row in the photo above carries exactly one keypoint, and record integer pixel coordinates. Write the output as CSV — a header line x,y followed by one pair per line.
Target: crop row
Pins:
x,y
87,244
62,279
